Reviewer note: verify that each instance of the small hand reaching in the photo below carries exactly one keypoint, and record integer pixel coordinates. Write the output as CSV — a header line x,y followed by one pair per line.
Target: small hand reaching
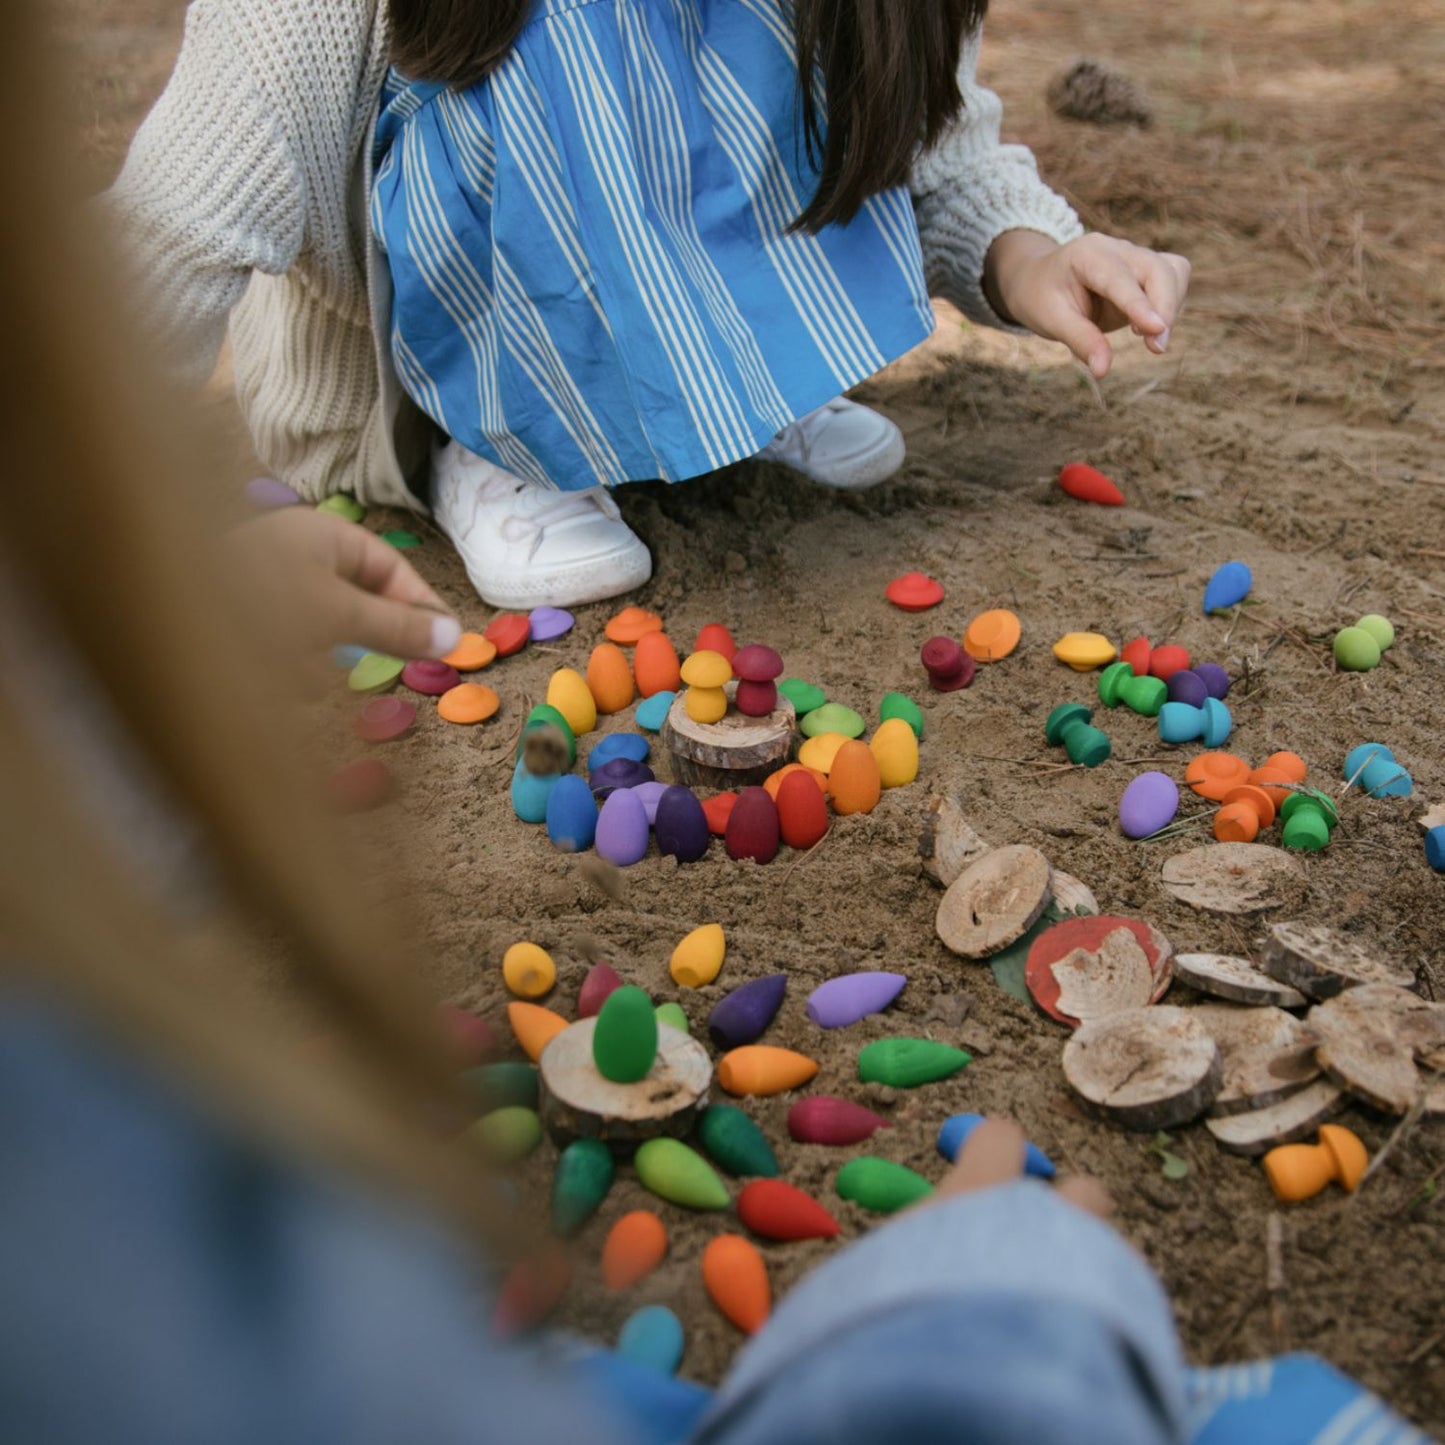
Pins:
x,y
994,1154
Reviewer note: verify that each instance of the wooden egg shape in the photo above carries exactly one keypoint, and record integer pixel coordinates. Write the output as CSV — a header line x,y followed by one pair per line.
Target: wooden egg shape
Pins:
x,y
716,638
622,831
743,1015
655,665
802,810
818,753
571,815
672,1171
823,1119
735,1143
671,1014
528,970
752,830
602,980
762,1070
472,1040
635,1246
880,1185
698,957
680,824
776,1210
624,1043
854,784
652,1336
534,1026
717,810
568,692
737,1280
907,1063
609,678
530,1293
895,749
584,1175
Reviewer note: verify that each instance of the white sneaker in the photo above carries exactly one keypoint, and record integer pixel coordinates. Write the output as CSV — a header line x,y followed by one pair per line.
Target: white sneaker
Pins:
x,y
841,444
526,545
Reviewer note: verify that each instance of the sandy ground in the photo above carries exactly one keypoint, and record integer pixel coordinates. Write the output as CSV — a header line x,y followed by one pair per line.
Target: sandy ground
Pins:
x,y
1295,424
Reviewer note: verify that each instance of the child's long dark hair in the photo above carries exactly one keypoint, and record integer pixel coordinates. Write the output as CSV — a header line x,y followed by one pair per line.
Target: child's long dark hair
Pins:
x,y
889,70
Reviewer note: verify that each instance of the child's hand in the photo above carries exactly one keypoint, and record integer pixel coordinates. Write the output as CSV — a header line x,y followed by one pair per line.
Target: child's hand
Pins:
x,y
1076,292
994,1154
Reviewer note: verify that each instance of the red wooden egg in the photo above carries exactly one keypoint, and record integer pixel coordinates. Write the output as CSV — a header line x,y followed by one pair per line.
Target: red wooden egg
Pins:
x,y
717,810
1088,484
1136,654
716,638
776,1210
752,830
802,810
1165,661
601,981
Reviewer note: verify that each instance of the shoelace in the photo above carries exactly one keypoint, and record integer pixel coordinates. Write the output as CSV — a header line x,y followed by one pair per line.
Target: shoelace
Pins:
x,y
538,507
799,432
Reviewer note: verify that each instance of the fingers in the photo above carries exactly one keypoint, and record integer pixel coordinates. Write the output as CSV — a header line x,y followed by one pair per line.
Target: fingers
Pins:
x,y
1165,279
384,624
376,566
1070,324
1115,271
993,1154
1088,1194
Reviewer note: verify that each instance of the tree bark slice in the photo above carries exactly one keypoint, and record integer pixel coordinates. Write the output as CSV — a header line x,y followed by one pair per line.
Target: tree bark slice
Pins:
x,y
577,1102
947,842
1147,1069
1321,963
1234,878
1290,1121
994,901
737,752
1236,979
1370,1040
1267,1055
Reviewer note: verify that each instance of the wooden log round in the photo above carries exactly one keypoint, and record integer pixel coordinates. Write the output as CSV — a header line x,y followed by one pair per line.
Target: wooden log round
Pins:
x,y
1267,1055
738,751
994,901
947,842
577,1102
1321,963
1291,1121
1371,1038
1237,979
1234,878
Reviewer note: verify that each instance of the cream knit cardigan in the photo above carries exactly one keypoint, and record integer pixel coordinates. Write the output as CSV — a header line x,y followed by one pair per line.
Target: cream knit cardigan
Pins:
x,y
244,200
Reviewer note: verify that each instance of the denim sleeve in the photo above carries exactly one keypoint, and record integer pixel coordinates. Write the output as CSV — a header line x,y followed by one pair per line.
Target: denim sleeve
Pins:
x,y
998,1317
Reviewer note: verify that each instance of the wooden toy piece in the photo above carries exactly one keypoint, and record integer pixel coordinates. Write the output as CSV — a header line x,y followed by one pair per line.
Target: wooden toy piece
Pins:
x,y
852,996
1356,650
737,1280
1086,484
743,1015
1266,1055
818,753
528,970
716,638
1211,723
823,1119
508,633
652,1336
609,678
779,1211
953,1135
1212,775
507,1135
705,704
472,1040
680,825
635,1246
652,712
1385,778
756,667
1167,660
1384,1045
1273,782
1149,803
1236,823
991,636
567,691
1085,651
1144,695
948,666
531,794
914,592
602,979
833,717
1110,685
1228,587
802,810
531,1292
1435,848
534,1026
267,494
672,1171
717,810
1187,686
502,1085
1067,726
384,719
698,957
900,705
735,1143
1320,962
1233,877
732,752
854,783
1287,1122
1214,677
1136,654
947,841
895,750
670,1015
1297,1172
908,1063
1235,979
761,1070
753,829
1255,799
342,505
548,744
804,696
1090,968
472,653
880,1185
550,623
467,703
1145,1068
622,831
706,669
360,786
429,677
1380,628
374,672
994,901
624,1042
655,665
584,1175
631,625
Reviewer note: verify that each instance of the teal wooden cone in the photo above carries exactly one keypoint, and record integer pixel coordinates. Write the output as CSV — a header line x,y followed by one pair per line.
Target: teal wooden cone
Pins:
x,y
907,1063
680,1175
880,1185
584,1175
625,1042
498,1086
735,1143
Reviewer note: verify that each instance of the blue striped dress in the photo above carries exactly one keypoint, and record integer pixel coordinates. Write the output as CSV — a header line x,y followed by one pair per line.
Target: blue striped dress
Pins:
x,y
594,281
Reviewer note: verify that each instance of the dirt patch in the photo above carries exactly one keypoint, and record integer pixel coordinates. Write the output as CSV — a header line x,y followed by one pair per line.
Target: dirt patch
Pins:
x,y
1296,424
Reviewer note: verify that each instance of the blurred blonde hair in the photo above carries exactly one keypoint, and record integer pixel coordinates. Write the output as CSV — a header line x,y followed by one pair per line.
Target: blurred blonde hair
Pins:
x,y
101,531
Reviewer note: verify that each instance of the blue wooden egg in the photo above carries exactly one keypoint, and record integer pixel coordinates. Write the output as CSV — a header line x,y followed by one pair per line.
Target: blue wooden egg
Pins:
x,y
681,825
652,1336
571,815
530,794
622,831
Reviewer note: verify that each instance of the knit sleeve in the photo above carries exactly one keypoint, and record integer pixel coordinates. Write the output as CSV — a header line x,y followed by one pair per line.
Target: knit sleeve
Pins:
x,y
970,188
210,192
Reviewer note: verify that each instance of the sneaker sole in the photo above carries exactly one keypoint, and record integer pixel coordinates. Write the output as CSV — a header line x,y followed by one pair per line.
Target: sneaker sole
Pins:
x,y
871,469
594,581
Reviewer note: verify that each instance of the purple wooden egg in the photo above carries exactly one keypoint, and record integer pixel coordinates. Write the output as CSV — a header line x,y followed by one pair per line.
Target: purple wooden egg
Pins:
x,y
602,979
619,773
681,824
845,1000
1214,678
1186,686
752,830
622,830
823,1119
1149,804
651,795
267,493
757,663
745,1013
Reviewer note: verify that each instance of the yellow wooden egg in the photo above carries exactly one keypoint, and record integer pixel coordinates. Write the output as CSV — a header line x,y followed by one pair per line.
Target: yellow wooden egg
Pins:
x,y
818,753
1084,651
706,669
698,959
528,970
895,748
705,704
569,694
853,781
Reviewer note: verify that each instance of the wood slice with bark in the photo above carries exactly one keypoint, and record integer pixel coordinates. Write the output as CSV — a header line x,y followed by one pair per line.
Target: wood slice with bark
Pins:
x,y
947,842
1267,1055
737,751
1236,979
994,901
1290,1121
1234,878
1320,962
1070,895
577,1102
1383,1044
1090,967
1147,1068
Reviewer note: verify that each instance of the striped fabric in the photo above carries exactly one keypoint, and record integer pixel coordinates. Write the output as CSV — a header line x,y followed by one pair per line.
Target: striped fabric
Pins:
x,y
594,281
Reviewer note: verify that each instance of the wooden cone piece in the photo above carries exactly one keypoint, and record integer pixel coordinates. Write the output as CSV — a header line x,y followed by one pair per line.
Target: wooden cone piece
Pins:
x,y
737,1279
947,843
1370,1039
994,901
773,1209
1287,1122
737,751
1236,979
1266,1053
1234,877
578,1103
635,1246
1147,1069
1321,963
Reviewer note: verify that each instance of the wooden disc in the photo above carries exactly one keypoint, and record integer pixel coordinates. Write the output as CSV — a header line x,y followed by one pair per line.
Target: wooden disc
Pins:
x,y
1234,877
1373,1040
1320,962
1092,967
737,751
994,901
1290,1121
1070,895
1266,1053
1433,817
578,1103
1236,979
947,843
1146,1068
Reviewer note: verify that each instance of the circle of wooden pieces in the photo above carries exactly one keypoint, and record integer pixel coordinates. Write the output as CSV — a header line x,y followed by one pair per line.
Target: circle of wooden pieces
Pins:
x,y
578,1103
994,901
1320,962
947,842
1090,968
1145,1068
1266,1054
1287,1122
734,752
1371,1038
1233,877
1236,979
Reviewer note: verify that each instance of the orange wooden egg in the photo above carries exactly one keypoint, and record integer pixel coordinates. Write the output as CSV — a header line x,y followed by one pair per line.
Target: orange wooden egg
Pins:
x,y
717,810
655,664
761,1069
854,784
802,810
609,678
468,702
534,1026
737,1279
531,1292
774,781
631,624
635,1247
